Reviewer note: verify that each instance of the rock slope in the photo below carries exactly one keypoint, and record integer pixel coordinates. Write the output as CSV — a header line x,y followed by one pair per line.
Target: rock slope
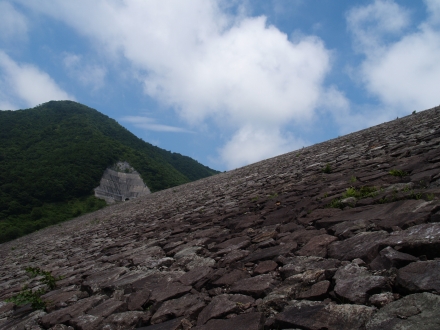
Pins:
x,y
344,234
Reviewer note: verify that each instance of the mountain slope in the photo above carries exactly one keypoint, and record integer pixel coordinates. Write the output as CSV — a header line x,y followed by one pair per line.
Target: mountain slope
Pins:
x,y
57,152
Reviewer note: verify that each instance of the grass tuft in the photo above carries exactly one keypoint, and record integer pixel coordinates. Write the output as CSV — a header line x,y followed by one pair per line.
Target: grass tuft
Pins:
x,y
327,169
398,173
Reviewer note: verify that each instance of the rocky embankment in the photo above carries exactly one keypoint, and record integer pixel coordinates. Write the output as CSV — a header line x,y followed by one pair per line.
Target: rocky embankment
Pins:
x,y
344,234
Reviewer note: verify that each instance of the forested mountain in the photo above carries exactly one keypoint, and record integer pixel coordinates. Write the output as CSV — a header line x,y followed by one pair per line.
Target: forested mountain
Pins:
x,y
53,155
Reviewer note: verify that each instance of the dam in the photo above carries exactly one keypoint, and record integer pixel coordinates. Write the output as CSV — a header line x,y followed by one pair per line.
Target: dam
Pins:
x,y
120,183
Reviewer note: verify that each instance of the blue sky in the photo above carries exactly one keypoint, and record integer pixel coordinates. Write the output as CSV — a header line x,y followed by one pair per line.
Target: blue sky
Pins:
x,y
227,82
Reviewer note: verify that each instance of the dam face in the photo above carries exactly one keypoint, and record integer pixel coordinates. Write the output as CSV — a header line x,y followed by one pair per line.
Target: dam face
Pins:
x,y
121,182
341,235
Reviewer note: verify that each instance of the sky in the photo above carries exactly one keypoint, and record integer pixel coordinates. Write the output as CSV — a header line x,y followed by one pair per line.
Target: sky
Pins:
x,y
226,82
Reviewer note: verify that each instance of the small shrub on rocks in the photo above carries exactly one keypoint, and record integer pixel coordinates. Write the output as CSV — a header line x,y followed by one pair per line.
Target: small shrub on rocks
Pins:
x,y
327,169
398,173
33,297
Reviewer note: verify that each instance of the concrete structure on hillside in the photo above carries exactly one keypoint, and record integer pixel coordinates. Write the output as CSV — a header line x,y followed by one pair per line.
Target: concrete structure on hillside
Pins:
x,y
120,183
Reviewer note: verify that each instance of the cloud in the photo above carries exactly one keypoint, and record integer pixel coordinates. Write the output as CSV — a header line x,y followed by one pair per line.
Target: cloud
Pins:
x,y
404,73
27,84
371,24
251,144
90,75
433,11
151,125
206,63
13,25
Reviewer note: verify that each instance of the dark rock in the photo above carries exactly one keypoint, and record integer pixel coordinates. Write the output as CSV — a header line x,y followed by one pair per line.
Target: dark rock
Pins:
x,y
291,226
66,314
189,305
257,286
270,253
238,243
420,276
217,308
249,321
27,320
108,307
246,222
299,265
61,327
59,299
317,291
319,214
137,300
280,215
168,290
389,257
299,237
416,311
418,240
241,299
317,246
422,179
317,316
148,257
86,322
307,278
381,299
99,280
404,214
355,284
125,320
172,245
169,325
278,298
264,236
348,229
154,280
5,308
364,246
265,267
195,275
231,277
232,257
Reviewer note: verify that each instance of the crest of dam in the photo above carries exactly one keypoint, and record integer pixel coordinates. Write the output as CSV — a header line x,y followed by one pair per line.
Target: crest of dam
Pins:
x,y
121,182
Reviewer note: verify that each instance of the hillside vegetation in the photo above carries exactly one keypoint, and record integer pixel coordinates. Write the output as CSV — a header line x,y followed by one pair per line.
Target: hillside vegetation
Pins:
x,y
53,155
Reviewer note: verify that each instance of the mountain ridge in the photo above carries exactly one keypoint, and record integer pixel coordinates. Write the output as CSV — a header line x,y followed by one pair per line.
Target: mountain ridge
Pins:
x,y
58,151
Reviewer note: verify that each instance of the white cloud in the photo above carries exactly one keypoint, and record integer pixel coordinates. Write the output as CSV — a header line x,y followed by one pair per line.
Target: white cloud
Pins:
x,y
27,84
433,10
205,63
251,144
372,23
151,125
90,75
404,73
13,24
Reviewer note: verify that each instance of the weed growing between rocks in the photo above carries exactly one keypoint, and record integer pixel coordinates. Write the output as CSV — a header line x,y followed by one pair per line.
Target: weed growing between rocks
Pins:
x,y
33,297
272,196
398,173
362,192
327,169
